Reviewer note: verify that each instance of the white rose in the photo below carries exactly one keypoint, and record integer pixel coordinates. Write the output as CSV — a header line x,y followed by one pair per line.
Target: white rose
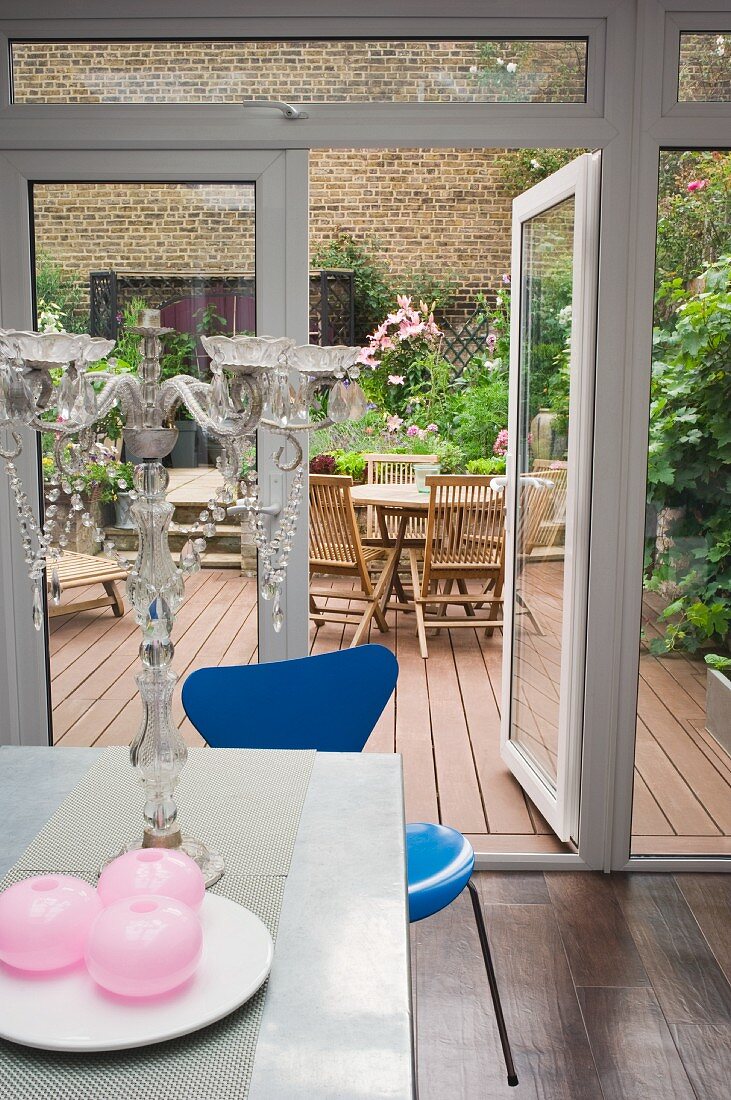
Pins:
x,y
473,68
511,67
499,61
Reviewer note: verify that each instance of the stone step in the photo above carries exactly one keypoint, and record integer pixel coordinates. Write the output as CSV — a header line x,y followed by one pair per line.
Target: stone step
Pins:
x,y
187,512
214,560
226,540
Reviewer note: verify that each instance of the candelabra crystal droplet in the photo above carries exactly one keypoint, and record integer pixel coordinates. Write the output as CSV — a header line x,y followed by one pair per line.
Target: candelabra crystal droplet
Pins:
x,y
337,405
38,603
356,401
277,613
18,398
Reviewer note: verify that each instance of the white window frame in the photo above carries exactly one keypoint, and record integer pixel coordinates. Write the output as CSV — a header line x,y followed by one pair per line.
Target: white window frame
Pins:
x,y
623,117
281,266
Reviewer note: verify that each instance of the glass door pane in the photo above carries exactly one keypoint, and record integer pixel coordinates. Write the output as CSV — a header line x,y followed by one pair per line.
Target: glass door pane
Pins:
x,y
541,470
103,251
555,235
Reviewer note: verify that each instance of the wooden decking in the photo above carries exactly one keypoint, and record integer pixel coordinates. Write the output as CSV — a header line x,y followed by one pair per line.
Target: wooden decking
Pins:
x,y
444,718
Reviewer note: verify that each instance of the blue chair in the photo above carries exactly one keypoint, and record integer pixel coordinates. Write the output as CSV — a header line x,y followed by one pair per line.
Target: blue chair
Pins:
x,y
230,706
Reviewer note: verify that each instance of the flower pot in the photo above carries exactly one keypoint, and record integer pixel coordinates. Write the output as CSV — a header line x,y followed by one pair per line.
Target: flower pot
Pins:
x,y
718,707
541,428
183,454
123,517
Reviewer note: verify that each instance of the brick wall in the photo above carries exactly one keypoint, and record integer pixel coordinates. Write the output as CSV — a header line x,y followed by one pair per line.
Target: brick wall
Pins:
x,y
437,210
146,227
331,71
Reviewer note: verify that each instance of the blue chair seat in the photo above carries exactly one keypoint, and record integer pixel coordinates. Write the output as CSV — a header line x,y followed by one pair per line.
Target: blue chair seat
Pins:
x,y
440,863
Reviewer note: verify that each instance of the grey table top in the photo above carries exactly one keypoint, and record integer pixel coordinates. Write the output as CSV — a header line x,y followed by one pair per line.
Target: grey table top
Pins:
x,y
336,1021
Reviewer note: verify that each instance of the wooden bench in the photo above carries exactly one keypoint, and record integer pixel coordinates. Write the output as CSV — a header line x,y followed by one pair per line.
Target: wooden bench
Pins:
x,y
76,570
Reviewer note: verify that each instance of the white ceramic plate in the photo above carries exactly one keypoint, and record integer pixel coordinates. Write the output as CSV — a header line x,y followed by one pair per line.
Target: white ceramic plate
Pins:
x,y
69,1012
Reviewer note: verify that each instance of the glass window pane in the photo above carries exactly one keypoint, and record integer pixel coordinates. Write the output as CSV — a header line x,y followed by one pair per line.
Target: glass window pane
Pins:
x,y
704,75
542,475
682,789
486,71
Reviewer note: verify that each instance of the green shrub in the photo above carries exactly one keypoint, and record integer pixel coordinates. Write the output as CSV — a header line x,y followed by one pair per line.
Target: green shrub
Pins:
x,y
721,664
372,290
60,297
694,214
689,465
351,463
520,169
481,411
495,465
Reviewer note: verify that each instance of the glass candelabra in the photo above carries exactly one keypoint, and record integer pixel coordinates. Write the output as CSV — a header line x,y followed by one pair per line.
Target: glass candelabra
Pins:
x,y
65,383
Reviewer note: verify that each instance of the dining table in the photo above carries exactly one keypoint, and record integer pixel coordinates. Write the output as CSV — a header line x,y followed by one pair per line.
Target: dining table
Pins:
x,y
403,502
336,1018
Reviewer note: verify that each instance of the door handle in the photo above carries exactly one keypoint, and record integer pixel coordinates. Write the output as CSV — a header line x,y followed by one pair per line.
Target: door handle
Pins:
x,y
288,109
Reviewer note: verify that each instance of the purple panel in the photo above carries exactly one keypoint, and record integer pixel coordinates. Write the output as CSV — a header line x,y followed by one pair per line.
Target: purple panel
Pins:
x,y
184,315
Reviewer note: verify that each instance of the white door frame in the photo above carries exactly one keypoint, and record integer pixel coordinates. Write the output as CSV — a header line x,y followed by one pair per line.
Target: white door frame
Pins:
x,y
280,180
579,180
661,122
623,116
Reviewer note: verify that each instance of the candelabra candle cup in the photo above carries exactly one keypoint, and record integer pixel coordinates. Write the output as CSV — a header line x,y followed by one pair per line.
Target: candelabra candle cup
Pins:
x,y
148,318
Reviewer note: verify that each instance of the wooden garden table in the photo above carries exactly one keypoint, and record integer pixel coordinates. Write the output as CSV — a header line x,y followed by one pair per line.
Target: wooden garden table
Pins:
x,y
405,502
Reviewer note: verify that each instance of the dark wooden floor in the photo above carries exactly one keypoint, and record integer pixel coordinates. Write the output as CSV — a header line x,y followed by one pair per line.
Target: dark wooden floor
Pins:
x,y
614,988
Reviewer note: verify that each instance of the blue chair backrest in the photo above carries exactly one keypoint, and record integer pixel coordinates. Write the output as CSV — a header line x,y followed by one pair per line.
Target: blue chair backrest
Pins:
x,y
330,702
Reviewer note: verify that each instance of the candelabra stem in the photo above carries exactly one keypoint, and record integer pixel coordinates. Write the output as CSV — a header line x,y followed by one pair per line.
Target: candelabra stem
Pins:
x,y
158,752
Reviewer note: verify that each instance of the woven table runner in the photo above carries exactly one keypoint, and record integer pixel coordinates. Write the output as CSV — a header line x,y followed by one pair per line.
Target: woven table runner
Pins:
x,y
246,803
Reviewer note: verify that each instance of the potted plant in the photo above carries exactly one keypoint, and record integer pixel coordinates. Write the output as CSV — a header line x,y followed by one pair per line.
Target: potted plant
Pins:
x,y
116,490
718,699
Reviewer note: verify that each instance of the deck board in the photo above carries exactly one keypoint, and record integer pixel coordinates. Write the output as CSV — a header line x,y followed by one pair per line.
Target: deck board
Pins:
x,y
444,718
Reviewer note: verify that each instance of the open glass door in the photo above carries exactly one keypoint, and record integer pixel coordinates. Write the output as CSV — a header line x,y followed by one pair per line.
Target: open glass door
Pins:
x,y
554,280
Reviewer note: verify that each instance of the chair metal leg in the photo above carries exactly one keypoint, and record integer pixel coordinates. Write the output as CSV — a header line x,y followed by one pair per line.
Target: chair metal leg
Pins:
x,y
484,944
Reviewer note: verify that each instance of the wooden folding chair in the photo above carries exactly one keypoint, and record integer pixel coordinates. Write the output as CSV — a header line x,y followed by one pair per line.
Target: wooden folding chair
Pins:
x,y
336,549
537,501
391,469
465,538
550,507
